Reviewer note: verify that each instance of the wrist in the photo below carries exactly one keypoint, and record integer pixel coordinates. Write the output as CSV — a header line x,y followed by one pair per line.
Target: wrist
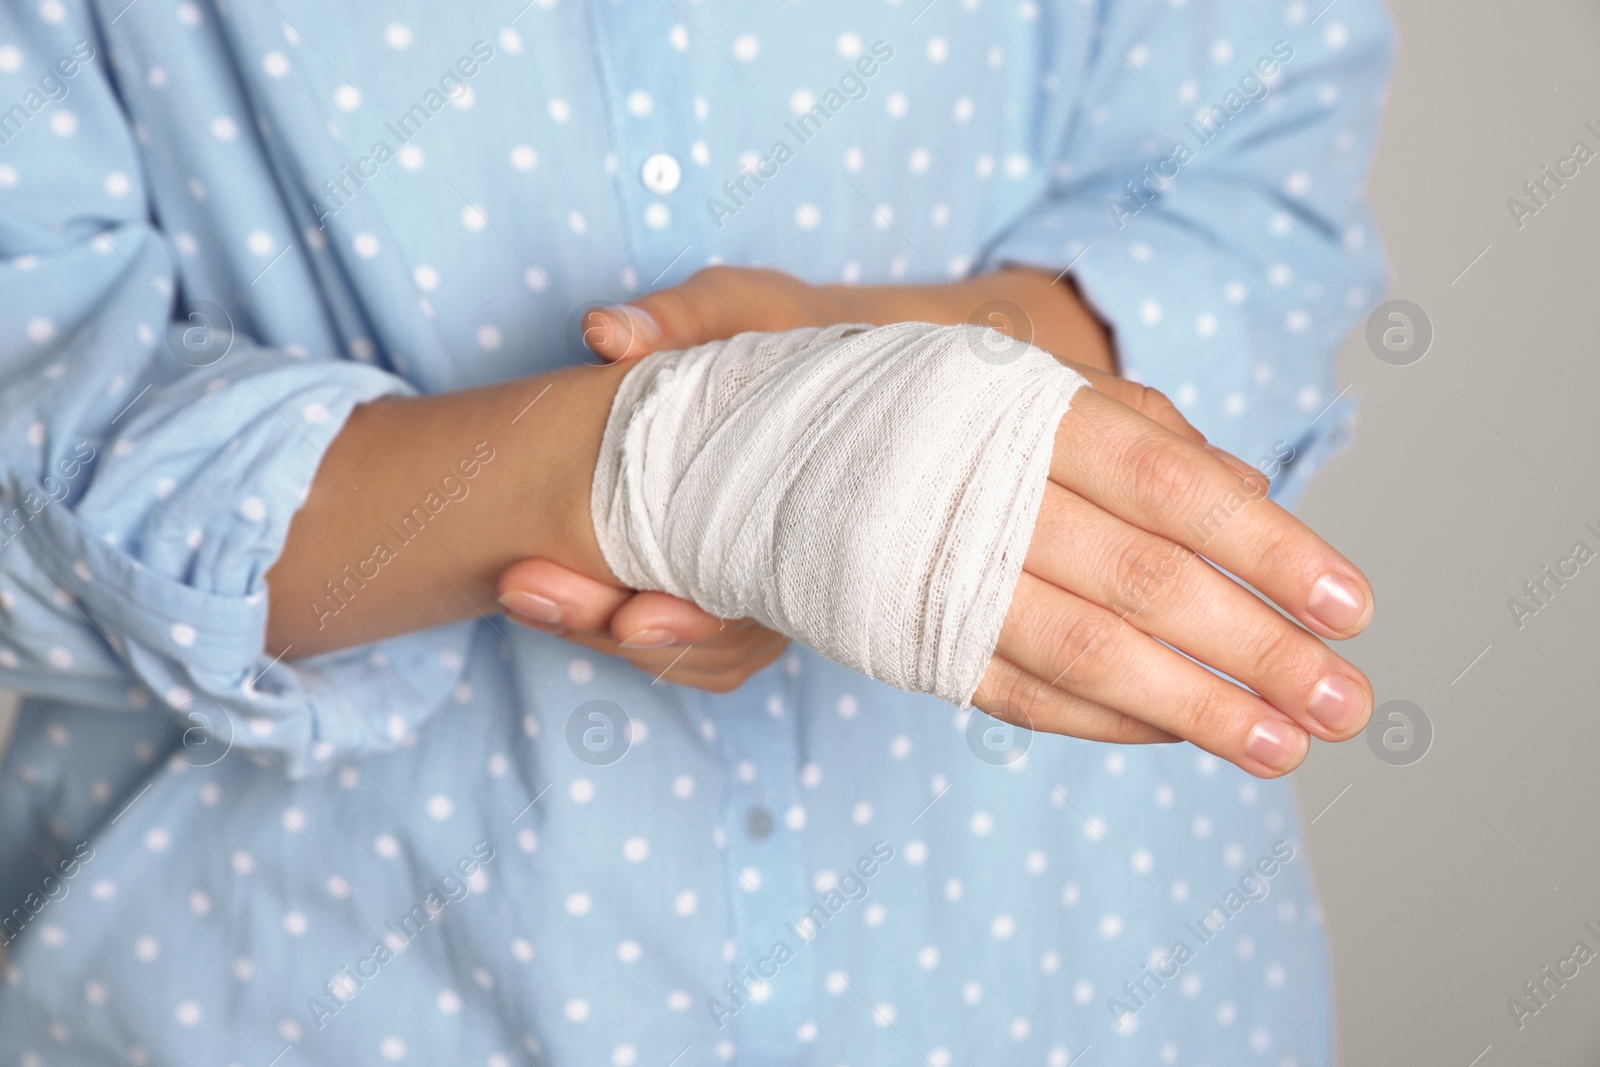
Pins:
x,y
560,418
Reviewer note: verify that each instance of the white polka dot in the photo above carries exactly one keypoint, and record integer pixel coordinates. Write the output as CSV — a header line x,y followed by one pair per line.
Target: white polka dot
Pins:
x,y
253,508
686,902
636,850
187,1014
474,218
295,923
581,790
64,123
397,35
365,244
524,157
347,98
276,64
560,110
392,1049
746,47
576,1010
640,103
807,216
224,128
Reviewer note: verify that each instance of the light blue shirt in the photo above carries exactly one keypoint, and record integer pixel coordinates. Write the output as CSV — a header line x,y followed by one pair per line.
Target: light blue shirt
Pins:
x,y
224,226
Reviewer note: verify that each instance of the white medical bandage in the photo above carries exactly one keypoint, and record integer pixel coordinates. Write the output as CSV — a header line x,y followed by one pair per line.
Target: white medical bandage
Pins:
x,y
870,492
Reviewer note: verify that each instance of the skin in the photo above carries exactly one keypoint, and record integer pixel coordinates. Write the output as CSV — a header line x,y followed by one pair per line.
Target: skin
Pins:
x,y
1117,569
659,633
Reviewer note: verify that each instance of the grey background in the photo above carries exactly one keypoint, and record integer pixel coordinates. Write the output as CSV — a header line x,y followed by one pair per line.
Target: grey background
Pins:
x,y
1430,875
1448,883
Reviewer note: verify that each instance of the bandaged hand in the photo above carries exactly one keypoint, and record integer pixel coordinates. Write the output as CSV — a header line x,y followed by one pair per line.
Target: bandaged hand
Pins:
x,y
974,524
672,639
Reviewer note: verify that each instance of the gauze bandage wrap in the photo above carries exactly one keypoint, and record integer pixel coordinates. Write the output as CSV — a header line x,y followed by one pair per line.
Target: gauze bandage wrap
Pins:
x,y
870,492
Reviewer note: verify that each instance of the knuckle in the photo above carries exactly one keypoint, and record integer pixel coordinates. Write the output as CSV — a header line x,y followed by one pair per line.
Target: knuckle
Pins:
x,y
1165,475
1206,714
1277,654
1085,648
1018,695
1143,571
1275,548
1125,729
1152,403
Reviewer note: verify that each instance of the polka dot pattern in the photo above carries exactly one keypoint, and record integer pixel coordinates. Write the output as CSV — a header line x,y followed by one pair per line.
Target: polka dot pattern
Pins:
x,y
925,896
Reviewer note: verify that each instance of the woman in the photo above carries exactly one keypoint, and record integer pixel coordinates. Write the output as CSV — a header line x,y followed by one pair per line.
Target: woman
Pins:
x,y
260,264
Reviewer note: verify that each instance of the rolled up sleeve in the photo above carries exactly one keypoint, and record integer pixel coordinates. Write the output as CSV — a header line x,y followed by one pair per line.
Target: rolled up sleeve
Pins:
x,y
152,457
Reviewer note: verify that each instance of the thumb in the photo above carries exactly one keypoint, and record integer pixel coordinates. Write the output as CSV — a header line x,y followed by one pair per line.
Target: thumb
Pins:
x,y
711,304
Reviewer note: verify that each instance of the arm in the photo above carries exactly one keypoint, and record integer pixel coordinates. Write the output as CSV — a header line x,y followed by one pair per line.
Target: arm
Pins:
x,y
150,466
422,501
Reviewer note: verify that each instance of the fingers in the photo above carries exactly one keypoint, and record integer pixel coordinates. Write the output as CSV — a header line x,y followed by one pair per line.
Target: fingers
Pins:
x,y
1012,695
547,596
1166,590
1151,403
711,304
657,620
668,638
714,668
1085,650
1160,481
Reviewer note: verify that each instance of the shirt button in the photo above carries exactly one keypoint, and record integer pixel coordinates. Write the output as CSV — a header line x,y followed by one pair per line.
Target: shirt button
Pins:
x,y
661,174
758,823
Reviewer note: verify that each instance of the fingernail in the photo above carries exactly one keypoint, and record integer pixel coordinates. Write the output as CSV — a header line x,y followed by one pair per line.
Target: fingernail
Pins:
x,y
640,323
531,606
1336,603
650,639
1275,743
1336,702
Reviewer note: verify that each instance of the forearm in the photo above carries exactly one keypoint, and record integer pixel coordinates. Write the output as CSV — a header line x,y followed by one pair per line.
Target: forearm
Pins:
x,y
407,524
